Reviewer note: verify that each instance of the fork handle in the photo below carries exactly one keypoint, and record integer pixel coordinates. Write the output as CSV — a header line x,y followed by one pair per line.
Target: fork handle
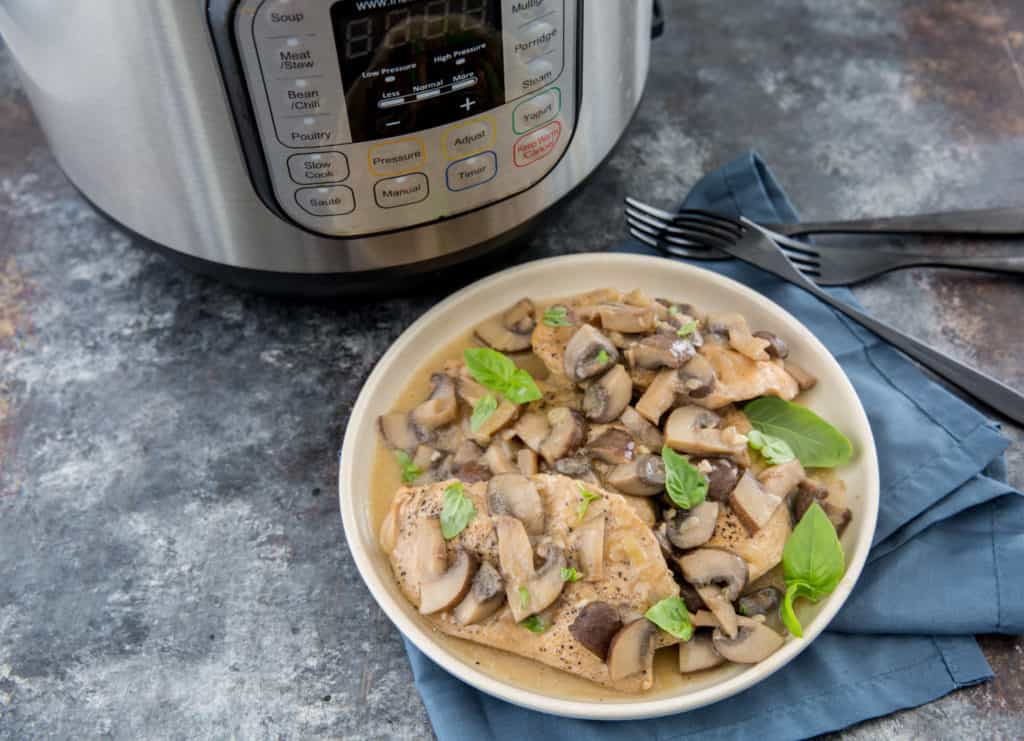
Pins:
x,y
996,394
1005,222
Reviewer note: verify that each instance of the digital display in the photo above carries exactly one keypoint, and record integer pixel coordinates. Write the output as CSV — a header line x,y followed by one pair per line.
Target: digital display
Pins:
x,y
409,65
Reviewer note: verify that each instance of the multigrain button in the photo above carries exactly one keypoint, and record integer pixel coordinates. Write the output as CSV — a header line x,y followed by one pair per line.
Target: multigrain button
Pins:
x,y
472,171
397,157
336,200
318,167
537,110
523,11
281,17
538,144
468,138
536,40
401,191
305,131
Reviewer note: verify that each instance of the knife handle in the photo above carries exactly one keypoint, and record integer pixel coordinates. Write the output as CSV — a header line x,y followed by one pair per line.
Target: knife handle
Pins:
x,y
1002,222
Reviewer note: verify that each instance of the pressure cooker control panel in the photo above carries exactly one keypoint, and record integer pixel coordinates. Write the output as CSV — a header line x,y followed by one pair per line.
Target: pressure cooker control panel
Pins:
x,y
377,115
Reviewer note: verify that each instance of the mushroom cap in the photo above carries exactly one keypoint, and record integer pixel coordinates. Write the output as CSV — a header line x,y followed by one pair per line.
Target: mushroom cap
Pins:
x,y
693,528
761,602
431,552
447,590
697,378
752,503
606,399
582,358
511,331
641,429
631,650
777,348
613,445
595,626
721,478
754,641
659,396
399,431
625,318
486,594
643,477
514,494
542,589
693,429
715,567
660,351
698,653
567,433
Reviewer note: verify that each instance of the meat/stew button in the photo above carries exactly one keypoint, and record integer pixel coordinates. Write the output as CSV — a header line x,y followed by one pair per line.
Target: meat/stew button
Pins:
x,y
538,144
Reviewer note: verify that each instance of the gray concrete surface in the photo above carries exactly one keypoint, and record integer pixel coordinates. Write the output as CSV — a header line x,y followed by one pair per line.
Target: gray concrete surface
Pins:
x,y
171,558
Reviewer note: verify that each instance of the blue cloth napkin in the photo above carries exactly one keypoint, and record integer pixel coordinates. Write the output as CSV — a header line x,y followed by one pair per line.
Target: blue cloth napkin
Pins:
x,y
945,564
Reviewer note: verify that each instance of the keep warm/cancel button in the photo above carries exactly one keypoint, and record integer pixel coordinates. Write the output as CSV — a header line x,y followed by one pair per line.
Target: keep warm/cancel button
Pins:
x,y
401,191
538,144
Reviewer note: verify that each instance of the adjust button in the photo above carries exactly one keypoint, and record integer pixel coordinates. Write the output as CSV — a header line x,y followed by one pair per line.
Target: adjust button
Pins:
x,y
472,171
401,191
468,138
537,110
318,167
281,17
337,200
397,157
538,144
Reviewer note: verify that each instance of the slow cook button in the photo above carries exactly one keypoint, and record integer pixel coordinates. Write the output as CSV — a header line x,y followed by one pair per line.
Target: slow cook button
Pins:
x,y
472,171
468,138
537,144
337,200
281,17
401,191
537,110
305,131
319,167
397,157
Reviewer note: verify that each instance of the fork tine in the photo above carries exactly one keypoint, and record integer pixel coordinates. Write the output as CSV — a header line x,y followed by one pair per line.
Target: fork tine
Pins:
x,y
702,254
707,218
682,228
657,213
723,222
683,238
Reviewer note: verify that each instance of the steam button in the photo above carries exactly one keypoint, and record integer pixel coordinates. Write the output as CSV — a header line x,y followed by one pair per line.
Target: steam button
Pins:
x,y
337,200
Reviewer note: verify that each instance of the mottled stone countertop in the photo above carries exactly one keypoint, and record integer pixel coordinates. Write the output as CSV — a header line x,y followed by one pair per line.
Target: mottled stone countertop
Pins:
x,y
171,556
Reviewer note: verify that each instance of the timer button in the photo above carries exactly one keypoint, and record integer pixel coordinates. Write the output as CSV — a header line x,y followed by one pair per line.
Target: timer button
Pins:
x,y
337,200
537,110
404,190
536,145
318,167
472,171
397,157
468,138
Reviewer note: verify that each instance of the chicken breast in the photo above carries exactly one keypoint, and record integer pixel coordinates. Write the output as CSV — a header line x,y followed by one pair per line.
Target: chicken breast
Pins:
x,y
740,378
634,574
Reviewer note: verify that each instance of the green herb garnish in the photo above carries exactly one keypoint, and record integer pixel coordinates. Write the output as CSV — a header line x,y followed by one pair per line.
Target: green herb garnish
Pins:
x,y
588,497
410,471
457,512
498,373
557,316
671,616
773,449
534,624
570,574
813,440
686,486
524,597
687,329
482,411
812,563
673,310
602,357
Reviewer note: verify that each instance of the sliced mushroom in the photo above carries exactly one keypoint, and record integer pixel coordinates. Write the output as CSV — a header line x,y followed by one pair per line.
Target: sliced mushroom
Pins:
x,y
722,475
659,396
691,529
588,353
515,554
471,472
625,318
590,547
782,479
641,429
431,553
718,576
398,431
804,380
510,332
606,399
498,459
692,429
486,595
811,491
567,433
703,619
764,601
595,626
777,348
698,654
752,504
442,406
514,494
532,428
659,351
697,378
753,642
614,445
504,415
466,452
447,590
736,328
693,601
541,590
631,650
643,477
425,457
576,466
526,459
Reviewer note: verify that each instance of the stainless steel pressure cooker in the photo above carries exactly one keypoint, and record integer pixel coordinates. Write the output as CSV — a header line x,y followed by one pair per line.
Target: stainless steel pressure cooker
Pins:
x,y
325,144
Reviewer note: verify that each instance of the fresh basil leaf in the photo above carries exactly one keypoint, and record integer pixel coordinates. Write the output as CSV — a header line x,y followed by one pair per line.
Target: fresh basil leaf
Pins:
x,y
588,497
687,329
813,440
458,511
671,616
498,373
556,316
603,358
813,563
685,485
775,450
570,574
482,411
524,597
673,309
410,471
534,624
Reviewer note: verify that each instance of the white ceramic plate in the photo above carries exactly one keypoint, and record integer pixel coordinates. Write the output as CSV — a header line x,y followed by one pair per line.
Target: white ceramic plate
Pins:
x,y
833,398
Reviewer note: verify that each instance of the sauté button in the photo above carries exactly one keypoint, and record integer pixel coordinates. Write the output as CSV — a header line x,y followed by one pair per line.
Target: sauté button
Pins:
x,y
401,191
538,144
318,167
472,171
468,138
336,200
537,110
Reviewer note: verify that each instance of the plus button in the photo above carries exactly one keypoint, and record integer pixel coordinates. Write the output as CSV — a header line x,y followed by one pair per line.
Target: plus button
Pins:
x,y
469,103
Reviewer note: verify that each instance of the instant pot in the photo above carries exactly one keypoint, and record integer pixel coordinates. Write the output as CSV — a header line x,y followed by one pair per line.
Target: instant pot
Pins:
x,y
321,146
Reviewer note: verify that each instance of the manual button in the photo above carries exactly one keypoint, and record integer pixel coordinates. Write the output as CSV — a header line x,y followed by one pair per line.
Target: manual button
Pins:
x,y
472,171
401,191
337,200
319,167
537,110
